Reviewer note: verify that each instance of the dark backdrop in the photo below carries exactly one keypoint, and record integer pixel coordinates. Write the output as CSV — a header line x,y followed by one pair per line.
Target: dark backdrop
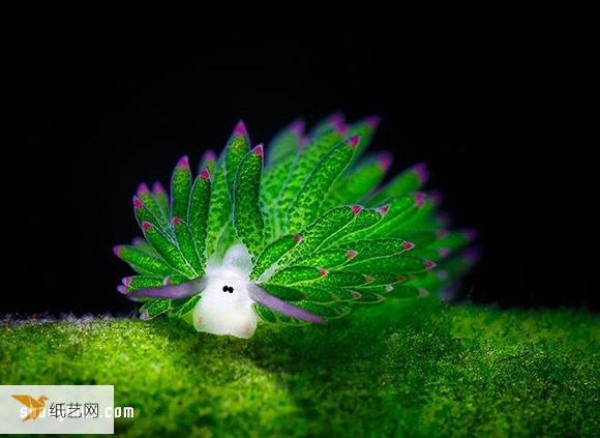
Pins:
x,y
95,116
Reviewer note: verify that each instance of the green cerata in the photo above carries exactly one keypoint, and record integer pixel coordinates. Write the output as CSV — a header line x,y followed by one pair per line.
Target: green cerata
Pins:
x,y
299,232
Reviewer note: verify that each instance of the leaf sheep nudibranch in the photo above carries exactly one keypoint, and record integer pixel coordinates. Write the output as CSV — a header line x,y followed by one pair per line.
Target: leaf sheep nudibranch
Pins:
x,y
301,240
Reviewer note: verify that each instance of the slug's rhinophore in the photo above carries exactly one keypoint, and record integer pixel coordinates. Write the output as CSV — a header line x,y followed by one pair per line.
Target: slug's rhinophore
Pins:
x,y
303,238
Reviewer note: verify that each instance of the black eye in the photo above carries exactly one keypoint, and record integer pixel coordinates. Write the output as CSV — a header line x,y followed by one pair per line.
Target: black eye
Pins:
x,y
228,289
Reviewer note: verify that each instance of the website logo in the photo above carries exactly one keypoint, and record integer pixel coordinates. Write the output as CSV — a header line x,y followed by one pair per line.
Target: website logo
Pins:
x,y
35,406
59,409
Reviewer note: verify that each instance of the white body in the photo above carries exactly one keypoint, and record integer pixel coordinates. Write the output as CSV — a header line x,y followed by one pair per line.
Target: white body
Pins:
x,y
227,312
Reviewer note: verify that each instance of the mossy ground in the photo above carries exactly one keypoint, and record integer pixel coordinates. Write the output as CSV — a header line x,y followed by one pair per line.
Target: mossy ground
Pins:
x,y
400,369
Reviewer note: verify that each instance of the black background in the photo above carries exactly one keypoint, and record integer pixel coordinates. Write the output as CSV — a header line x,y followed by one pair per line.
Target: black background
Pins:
x,y
96,115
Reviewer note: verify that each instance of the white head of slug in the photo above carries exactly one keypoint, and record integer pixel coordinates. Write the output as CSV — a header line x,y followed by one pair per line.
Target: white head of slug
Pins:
x,y
227,297
226,307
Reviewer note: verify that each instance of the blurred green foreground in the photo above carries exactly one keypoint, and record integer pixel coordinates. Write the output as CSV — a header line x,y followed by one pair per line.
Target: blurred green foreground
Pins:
x,y
398,369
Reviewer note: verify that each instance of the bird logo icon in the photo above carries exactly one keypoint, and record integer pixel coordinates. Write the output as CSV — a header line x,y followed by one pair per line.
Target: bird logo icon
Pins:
x,y
35,406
